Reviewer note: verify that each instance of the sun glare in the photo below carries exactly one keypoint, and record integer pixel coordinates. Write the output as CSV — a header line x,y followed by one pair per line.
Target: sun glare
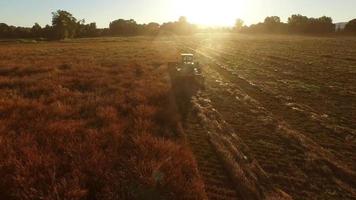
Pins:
x,y
211,12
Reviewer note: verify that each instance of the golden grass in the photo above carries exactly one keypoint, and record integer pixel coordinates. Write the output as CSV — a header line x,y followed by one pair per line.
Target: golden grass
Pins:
x,y
91,119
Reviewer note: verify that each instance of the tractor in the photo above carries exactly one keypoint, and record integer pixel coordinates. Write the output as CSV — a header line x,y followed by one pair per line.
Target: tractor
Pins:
x,y
187,71
187,79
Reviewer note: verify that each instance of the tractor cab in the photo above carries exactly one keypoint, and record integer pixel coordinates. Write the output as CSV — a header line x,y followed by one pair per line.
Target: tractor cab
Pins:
x,y
188,66
186,72
187,59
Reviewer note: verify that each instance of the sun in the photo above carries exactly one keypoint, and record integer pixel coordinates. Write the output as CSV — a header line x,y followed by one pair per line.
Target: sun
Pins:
x,y
210,12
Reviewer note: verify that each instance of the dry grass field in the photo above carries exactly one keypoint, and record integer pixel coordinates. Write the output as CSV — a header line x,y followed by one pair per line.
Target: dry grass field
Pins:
x,y
97,119
91,119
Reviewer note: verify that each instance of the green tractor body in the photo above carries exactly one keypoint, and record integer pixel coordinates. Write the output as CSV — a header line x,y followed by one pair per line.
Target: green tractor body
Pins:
x,y
187,79
187,71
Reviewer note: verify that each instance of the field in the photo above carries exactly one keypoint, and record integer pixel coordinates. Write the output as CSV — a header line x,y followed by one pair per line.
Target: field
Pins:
x,y
98,119
291,101
91,119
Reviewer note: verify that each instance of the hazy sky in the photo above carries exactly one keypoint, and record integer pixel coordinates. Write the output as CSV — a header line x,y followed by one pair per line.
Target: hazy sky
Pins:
x,y
208,12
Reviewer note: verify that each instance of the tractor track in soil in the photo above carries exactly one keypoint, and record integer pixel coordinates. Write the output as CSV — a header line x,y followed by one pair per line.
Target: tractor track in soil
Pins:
x,y
269,66
218,184
308,122
282,157
273,142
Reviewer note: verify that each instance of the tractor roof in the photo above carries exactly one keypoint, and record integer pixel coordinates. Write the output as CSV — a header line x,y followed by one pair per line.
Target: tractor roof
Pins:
x,y
186,54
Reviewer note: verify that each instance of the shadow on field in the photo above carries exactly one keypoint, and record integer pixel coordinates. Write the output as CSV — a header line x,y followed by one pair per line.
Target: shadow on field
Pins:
x,y
184,88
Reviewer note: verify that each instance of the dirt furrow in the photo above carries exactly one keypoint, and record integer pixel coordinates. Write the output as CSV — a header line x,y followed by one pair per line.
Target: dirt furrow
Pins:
x,y
291,165
275,78
306,122
218,185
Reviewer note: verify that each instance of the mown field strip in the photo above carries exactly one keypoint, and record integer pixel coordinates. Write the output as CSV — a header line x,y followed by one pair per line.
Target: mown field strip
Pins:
x,y
280,155
271,153
285,147
218,184
304,120
267,74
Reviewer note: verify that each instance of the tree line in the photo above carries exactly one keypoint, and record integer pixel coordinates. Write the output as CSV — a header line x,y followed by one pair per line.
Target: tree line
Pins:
x,y
297,24
65,25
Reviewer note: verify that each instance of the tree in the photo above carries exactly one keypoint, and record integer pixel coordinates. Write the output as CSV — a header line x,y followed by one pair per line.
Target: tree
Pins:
x,y
272,20
322,25
92,30
303,24
124,27
4,30
183,20
298,23
151,28
64,24
238,24
272,24
36,30
351,26
86,30
48,32
181,27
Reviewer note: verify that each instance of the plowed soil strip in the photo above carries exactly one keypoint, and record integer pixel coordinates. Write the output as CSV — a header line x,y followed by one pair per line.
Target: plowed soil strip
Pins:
x,y
320,133
282,157
217,182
